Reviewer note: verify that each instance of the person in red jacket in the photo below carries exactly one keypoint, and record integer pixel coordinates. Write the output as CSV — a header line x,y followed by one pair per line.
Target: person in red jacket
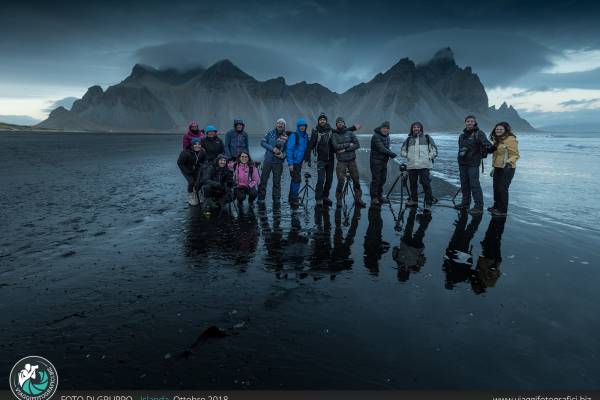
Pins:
x,y
192,132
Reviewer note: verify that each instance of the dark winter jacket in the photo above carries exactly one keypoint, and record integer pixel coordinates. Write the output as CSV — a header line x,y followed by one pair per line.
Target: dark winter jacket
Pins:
x,y
235,143
269,142
471,146
191,162
213,146
380,147
215,175
345,139
320,143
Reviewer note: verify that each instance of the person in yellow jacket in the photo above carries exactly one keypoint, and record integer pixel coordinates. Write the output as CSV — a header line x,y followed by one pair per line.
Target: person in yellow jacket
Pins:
x,y
504,161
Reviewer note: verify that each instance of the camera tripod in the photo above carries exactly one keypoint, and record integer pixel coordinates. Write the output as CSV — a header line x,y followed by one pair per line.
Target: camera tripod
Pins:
x,y
303,193
348,187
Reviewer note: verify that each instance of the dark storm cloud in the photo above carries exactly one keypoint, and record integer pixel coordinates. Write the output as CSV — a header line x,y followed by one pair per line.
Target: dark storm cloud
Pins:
x,y
577,80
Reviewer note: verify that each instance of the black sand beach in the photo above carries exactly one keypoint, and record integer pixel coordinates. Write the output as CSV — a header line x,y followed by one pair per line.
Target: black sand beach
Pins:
x,y
107,272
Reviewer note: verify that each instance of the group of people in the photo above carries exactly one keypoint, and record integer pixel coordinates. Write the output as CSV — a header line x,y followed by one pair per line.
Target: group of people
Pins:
x,y
220,171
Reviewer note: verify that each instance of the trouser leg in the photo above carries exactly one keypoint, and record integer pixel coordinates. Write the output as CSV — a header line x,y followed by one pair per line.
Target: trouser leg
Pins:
x,y
277,170
340,171
426,183
382,178
296,179
413,179
264,179
353,168
507,176
329,167
497,184
465,184
475,187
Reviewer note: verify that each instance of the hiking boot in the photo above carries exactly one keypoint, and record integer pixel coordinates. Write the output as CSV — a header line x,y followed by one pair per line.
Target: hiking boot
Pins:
x,y
384,200
411,203
476,211
360,203
427,208
498,213
327,202
491,209
461,207
192,198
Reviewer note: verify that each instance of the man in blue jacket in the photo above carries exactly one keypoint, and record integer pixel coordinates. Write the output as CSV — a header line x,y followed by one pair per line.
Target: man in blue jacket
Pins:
x,y
236,140
274,143
296,147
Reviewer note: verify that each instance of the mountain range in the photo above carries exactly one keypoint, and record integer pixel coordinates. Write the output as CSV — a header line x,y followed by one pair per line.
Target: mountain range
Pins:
x,y
438,93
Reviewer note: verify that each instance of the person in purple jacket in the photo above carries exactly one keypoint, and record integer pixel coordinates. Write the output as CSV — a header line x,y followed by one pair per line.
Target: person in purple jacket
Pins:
x,y
192,132
246,178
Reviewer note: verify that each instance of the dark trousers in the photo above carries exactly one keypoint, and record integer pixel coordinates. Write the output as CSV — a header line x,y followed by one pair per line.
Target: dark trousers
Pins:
x,y
324,179
378,178
502,179
415,175
191,181
296,180
341,170
264,179
242,192
469,185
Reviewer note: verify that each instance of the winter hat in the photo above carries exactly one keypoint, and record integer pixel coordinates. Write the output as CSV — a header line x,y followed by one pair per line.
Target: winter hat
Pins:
x,y
385,124
220,157
281,120
211,128
238,121
322,115
195,140
340,119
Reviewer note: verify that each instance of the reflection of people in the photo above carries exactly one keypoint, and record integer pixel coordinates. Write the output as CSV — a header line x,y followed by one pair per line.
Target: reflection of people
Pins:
x,y
321,251
488,263
410,254
374,246
458,259
341,257
27,373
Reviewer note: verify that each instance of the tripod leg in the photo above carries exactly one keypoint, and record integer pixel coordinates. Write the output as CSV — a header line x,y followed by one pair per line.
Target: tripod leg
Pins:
x,y
393,185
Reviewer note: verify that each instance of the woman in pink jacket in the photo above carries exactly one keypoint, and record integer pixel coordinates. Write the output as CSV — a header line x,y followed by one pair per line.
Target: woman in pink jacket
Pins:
x,y
192,132
245,175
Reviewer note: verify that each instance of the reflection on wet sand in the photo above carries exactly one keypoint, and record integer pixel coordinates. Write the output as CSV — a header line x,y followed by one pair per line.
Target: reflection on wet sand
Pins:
x,y
374,245
488,263
458,260
410,254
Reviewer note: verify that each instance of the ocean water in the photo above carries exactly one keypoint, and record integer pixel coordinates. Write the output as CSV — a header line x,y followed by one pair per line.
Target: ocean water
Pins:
x,y
556,178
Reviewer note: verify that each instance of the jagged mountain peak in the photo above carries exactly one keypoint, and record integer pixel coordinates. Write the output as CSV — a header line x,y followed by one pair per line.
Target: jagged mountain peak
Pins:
x,y
225,69
445,54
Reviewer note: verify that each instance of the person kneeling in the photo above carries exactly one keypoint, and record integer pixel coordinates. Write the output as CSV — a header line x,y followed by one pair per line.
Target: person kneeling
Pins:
x,y
217,182
246,178
191,163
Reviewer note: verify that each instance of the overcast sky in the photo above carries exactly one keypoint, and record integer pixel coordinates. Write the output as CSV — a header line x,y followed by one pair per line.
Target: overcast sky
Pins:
x,y
542,57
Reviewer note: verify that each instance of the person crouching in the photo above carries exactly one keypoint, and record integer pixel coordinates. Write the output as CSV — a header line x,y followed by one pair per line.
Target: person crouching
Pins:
x,y
246,178
191,162
217,182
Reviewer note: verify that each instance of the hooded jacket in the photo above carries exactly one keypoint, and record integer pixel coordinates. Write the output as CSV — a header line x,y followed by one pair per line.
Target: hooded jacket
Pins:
x,y
189,135
236,142
380,146
420,151
245,175
345,139
506,152
191,162
473,143
271,140
213,146
320,143
297,144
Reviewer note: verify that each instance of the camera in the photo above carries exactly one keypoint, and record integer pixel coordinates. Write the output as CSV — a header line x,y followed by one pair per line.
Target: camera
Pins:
x,y
403,167
484,151
462,151
307,175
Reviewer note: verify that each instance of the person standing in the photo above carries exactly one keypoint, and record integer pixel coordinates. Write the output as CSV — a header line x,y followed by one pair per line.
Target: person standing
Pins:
x,y
420,151
320,144
473,145
380,154
504,161
296,148
236,140
191,163
345,143
274,144
212,144
192,132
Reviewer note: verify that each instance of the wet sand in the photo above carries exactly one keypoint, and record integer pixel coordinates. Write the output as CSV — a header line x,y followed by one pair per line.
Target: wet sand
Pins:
x,y
107,272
